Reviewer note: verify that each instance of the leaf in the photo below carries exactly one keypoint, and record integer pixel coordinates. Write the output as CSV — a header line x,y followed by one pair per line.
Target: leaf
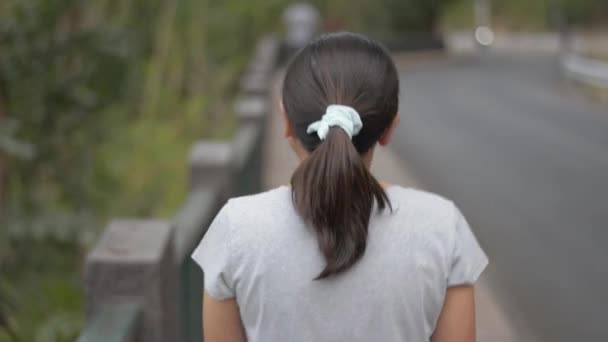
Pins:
x,y
9,144
62,326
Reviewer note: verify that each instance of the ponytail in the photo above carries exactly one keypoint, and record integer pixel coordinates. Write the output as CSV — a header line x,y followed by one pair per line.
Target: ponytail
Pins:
x,y
334,191
345,88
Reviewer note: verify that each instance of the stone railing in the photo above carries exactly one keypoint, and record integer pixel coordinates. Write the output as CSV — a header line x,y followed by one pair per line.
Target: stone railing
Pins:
x,y
140,282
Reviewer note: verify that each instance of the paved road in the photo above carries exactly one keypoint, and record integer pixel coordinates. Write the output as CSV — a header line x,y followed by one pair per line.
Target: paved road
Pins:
x,y
526,159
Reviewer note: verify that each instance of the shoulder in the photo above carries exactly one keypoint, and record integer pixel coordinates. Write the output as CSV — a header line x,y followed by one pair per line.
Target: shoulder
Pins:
x,y
260,205
423,205
244,220
426,214
253,216
442,228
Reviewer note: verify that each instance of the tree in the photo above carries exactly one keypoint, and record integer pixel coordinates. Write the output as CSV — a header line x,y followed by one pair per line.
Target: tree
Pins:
x,y
58,66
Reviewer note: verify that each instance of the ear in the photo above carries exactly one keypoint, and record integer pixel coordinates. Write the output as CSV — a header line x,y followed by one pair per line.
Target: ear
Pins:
x,y
386,137
288,131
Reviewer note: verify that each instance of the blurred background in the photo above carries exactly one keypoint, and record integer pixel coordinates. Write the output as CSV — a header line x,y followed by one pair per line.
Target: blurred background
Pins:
x,y
100,102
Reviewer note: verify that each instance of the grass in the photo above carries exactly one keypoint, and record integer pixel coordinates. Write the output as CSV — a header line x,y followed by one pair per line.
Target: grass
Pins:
x,y
150,159
46,298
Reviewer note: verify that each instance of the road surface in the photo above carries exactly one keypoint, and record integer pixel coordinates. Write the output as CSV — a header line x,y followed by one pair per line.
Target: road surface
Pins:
x,y
526,159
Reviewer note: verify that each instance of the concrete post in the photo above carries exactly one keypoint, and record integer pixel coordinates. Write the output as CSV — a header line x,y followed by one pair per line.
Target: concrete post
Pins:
x,y
255,82
209,163
133,262
251,108
265,55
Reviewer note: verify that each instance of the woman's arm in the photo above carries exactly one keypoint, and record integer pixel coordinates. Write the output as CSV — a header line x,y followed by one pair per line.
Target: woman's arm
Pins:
x,y
457,319
222,320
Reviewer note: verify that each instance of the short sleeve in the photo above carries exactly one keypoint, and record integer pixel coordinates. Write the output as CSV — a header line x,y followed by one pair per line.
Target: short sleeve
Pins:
x,y
468,259
213,255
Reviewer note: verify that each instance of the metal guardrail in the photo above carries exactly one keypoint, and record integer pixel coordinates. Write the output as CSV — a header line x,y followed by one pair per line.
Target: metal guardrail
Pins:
x,y
114,323
585,70
573,62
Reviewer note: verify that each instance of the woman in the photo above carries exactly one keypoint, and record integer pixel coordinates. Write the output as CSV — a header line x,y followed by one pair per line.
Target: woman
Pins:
x,y
338,255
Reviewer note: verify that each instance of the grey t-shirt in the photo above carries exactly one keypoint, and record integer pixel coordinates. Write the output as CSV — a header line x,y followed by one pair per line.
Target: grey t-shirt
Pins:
x,y
259,251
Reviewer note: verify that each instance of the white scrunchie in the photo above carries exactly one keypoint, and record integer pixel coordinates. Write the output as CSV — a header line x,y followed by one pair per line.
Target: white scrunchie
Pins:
x,y
345,117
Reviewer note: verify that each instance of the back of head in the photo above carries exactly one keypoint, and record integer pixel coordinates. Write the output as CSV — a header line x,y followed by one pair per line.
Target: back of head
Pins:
x,y
333,189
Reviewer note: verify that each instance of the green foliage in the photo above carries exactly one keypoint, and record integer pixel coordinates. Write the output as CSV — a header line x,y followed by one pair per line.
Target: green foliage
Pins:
x,y
414,15
57,70
59,66
521,15
383,18
99,103
76,77
529,15
584,12
43,302
187,82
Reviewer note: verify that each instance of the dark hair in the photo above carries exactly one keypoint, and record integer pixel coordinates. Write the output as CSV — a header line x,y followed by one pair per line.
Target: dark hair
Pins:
x,y
332,189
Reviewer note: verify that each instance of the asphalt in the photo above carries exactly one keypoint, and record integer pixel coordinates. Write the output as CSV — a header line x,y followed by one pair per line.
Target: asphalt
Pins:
x,y
525,156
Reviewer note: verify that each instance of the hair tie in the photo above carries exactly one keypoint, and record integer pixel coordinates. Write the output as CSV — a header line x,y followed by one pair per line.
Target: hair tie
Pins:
x,y
345,117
